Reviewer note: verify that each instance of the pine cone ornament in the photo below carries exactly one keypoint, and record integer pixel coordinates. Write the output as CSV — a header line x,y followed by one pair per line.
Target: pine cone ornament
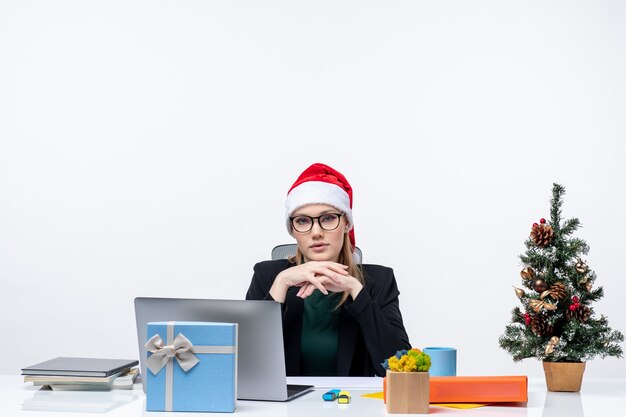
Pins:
x,y
582,313
541,234
540,326
556,291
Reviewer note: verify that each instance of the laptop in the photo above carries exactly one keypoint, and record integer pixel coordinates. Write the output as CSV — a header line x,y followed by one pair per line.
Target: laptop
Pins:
x,y
261,367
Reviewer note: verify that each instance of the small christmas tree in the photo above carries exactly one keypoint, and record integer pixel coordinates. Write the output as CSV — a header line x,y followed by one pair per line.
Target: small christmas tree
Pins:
x,y
557,322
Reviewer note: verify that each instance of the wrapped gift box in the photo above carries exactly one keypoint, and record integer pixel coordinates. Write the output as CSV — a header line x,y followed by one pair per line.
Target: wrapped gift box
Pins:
x,y
192,366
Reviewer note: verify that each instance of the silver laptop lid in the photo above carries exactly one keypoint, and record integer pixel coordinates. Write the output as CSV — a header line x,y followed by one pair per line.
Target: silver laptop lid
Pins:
x,y
261,368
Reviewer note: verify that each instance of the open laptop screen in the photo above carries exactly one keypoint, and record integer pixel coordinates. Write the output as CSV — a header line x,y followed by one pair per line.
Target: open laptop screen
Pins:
x,y
261,368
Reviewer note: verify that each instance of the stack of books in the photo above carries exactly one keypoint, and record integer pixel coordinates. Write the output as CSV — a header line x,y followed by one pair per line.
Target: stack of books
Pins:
x,y
83,374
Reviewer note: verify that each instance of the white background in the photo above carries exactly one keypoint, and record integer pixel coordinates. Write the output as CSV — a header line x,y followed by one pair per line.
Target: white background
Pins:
x,y
146,148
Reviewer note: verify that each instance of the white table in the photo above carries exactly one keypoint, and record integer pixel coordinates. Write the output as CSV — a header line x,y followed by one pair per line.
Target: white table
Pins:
x,y
599,397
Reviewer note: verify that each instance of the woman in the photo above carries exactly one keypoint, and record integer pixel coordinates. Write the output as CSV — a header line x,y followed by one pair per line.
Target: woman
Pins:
x,y
339,318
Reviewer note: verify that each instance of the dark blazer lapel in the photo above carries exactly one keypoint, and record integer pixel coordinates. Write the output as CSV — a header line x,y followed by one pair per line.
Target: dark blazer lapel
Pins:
x,y
292,331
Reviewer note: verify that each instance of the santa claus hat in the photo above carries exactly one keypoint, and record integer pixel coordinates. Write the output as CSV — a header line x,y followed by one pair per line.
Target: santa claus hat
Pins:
x,y
321,184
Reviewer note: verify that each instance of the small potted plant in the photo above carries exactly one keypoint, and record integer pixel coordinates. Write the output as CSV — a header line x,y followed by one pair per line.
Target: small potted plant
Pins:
x,y
407,384
557,323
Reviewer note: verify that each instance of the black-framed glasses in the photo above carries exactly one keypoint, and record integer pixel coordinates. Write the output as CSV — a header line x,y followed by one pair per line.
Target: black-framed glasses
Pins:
x,y
327,221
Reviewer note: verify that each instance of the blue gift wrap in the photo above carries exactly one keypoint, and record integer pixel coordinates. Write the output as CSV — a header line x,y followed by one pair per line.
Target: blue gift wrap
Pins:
x,y
192,366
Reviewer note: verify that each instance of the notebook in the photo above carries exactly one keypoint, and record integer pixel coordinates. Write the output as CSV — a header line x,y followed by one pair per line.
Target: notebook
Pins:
x,y
93,367
261,368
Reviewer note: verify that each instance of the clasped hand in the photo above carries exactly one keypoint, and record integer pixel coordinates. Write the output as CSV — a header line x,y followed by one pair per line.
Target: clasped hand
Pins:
x,y
324,276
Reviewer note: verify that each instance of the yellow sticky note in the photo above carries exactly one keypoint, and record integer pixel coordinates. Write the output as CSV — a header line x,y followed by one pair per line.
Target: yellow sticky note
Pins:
x,y
460,406
375,395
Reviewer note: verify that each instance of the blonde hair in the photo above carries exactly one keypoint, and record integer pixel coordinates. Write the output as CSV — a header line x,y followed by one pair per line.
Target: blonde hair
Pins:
x,y
345,258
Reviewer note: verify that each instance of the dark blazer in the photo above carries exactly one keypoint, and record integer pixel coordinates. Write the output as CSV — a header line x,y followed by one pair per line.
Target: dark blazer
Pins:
x,y
370,327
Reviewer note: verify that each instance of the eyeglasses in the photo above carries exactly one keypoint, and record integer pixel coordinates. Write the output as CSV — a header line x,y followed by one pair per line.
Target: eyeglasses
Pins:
x,y
327,221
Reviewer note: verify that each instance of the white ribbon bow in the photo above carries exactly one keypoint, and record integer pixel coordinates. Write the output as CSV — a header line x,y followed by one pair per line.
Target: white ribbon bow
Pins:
x,y
181,349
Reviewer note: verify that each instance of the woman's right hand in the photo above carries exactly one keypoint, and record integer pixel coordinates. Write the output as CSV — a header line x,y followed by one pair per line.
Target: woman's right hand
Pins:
x,y
314,273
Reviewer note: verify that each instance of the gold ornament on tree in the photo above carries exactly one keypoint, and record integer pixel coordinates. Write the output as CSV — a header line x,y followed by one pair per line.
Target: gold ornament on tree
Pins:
x,y
540,285
581,266
538,305
552,343
586,281
528,274
519,292
541,234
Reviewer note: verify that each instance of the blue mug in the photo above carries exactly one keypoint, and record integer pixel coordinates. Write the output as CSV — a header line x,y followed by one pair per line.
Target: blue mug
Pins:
x,y
443,361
